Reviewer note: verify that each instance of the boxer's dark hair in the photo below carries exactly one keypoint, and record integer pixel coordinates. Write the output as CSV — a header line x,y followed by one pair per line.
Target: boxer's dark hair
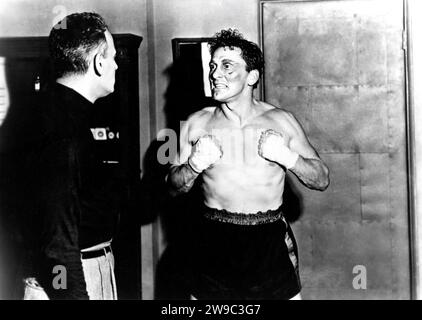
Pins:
x,y
232,38
72,40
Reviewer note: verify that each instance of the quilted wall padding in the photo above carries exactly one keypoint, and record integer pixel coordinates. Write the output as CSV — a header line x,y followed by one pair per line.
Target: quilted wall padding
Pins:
x,y
339,67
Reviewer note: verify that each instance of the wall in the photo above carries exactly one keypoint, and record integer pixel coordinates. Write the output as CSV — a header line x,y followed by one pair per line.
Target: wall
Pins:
x,y
35,18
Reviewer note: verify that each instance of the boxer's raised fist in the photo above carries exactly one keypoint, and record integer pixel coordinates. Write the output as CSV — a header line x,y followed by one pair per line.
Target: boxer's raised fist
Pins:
x,y
206,151
272,146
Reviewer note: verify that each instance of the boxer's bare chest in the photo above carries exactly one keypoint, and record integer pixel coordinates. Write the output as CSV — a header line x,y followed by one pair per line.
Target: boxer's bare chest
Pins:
x,y
239,142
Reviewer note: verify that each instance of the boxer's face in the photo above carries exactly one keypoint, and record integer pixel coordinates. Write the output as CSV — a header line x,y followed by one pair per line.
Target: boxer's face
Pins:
x,y
228,75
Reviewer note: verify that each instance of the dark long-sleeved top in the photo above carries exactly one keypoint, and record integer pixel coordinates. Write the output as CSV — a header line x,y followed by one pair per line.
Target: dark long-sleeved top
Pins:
x,y
76,202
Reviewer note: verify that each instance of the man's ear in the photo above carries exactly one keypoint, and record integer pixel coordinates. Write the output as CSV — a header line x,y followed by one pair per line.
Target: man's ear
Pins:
x,y
253,77
98,64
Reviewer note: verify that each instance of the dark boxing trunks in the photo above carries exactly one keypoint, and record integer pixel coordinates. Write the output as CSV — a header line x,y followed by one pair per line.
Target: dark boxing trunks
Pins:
x,y
244,256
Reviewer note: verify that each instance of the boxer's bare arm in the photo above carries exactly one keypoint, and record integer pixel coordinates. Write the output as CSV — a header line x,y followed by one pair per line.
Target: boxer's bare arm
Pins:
x,y
312,172
181,175
309,168
181,179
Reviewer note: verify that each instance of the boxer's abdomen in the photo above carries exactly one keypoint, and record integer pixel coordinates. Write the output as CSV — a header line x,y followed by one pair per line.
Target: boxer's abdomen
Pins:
x,y
244,188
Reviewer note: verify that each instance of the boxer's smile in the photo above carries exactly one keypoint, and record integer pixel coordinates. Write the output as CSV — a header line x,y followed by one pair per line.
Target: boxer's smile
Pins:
x,y
218,86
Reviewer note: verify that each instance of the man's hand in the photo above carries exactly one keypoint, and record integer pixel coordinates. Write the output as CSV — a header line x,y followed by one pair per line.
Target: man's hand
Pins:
x,y
272,146
205,153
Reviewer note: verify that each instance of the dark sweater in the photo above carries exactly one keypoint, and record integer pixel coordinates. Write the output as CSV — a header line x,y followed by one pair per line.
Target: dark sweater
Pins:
x,y
76,202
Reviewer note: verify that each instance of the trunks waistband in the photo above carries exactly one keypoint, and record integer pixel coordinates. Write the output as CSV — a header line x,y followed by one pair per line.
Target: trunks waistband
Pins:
x,y
242,218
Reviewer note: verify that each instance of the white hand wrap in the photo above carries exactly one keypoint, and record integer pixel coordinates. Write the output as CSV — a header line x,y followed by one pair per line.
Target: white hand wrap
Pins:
x,y
205,152
272,146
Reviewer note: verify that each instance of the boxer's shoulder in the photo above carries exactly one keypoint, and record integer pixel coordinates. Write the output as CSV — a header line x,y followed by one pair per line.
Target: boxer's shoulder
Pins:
x,y
278,119
201,115
279,112
198,121
271,113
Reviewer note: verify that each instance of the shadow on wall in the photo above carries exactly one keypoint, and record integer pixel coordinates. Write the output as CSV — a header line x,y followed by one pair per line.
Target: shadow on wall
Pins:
x,y
179,215
183,97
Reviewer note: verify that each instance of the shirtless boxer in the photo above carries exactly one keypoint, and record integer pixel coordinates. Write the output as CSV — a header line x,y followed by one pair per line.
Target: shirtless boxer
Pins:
x,y
239,152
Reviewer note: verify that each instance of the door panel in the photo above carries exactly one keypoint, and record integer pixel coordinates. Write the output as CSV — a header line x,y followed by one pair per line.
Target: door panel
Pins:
x,y
339,67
